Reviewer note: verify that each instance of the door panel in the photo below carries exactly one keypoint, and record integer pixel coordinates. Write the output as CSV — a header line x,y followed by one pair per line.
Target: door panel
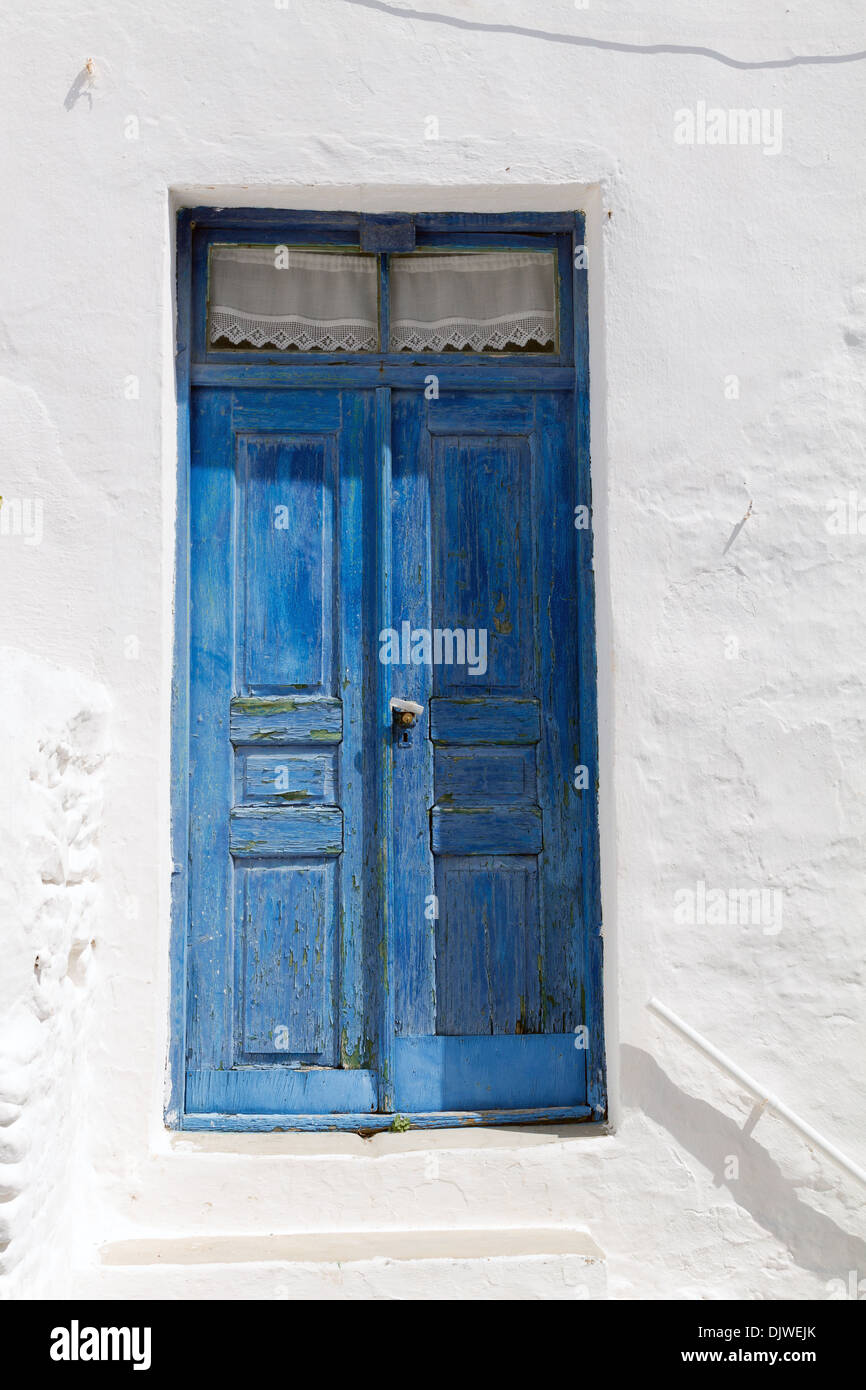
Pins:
x,y
478,1074
288,968
286,554
487,944
487,861
481,535
280,1015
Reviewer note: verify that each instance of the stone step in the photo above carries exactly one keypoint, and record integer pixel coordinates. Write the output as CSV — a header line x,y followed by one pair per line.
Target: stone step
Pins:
x,y
517,1263
256,1184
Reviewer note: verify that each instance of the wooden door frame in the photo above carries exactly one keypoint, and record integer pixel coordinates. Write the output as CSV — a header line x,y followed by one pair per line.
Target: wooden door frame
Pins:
x,y
569,370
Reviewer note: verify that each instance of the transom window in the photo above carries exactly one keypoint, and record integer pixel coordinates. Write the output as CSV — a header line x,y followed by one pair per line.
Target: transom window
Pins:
x,y
273,297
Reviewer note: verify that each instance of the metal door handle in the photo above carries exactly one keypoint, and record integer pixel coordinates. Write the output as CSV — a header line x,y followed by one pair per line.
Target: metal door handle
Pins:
x,y
404,716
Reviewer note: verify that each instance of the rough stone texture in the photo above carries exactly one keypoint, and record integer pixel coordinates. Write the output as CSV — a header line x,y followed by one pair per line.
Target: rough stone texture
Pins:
x,y
53,742
737,764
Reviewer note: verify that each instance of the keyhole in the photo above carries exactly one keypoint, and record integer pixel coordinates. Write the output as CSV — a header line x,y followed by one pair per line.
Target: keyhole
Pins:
x,y
405,735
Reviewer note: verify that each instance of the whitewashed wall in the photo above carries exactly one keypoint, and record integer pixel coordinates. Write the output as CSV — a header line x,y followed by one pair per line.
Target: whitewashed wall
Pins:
x,y
728,350
53,743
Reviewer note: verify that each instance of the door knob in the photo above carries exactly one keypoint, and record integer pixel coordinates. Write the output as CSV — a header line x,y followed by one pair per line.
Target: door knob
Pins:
x,y
404,716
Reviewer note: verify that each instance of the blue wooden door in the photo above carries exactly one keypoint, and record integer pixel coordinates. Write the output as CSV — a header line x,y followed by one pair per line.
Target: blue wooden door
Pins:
x,y
386,894
489,950
282,1001
385,919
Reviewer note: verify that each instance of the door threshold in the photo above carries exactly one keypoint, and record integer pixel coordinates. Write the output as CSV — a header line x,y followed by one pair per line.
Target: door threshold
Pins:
x,y
367,1123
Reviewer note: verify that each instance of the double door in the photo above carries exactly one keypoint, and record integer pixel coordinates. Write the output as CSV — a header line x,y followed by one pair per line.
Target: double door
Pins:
x,y
390,819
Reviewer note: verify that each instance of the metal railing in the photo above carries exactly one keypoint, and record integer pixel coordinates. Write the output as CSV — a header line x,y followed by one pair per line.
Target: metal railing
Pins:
x,y
766,1097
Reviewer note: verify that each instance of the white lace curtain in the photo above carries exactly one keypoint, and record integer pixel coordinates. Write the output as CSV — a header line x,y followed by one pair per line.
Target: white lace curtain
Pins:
x,y
270,296
472,301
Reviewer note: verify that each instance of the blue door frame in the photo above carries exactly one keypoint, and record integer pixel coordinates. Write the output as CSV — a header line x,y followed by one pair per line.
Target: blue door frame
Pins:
x,y
532,1049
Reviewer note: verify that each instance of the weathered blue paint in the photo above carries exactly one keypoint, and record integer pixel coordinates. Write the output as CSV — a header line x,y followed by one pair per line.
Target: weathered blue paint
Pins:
x,y
383,828
403,370
325,223
487,1073
289,777
376,926
499,829
484,512
387,232
476,720
277,891
176,1060
286,719
373,1123
261,831
588,711
280,1090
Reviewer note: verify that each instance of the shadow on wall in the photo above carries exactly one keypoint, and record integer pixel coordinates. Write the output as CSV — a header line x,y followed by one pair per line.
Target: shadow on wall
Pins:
x,y
815,1241
81,87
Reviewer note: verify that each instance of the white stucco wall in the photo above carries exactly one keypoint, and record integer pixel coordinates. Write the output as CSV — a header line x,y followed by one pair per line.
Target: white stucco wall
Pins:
x,y
731,675
53,744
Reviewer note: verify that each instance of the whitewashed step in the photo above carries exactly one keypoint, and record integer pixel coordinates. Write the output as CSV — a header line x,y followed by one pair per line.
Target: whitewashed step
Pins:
x,y
530,1263
258,1184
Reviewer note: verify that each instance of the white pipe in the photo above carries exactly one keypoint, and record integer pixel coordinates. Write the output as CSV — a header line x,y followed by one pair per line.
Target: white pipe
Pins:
x,y
762,1094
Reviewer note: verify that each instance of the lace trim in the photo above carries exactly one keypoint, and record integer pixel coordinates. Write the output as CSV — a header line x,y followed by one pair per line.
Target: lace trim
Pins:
x,y
359,335
307,335
536,326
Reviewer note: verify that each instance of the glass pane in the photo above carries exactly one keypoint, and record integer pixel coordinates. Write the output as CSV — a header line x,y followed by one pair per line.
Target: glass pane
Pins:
x,y
487,301
303,301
